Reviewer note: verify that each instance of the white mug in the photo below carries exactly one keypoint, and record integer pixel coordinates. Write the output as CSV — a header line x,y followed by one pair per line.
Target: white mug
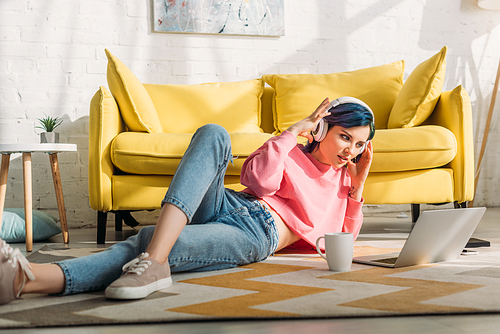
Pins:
x,y
338,250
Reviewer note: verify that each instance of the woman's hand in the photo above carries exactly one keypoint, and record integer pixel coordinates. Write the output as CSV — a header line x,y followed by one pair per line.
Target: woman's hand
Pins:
x,y
304,127
359,172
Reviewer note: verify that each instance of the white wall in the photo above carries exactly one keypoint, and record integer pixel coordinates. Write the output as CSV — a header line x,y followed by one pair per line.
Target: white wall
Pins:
x,y
52,61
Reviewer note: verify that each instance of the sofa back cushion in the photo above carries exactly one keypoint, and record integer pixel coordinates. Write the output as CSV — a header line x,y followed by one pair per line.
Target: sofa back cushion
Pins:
x,y
298,95
184,108
420,93
137,109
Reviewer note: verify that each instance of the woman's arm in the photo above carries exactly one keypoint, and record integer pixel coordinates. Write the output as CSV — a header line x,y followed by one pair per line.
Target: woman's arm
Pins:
x,y
304,127
262,172
353,218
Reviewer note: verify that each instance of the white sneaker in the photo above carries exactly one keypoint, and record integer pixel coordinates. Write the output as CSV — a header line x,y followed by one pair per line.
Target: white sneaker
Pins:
x,y
10,262
141,277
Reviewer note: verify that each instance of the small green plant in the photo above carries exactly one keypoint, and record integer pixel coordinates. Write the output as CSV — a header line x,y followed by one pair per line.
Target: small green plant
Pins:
x,y
49,123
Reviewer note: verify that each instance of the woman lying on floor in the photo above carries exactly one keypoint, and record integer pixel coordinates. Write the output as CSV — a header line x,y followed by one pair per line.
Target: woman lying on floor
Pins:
x,y
294,194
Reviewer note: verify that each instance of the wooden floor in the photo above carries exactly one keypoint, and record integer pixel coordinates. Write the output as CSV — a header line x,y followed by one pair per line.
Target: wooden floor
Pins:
x,y
375,227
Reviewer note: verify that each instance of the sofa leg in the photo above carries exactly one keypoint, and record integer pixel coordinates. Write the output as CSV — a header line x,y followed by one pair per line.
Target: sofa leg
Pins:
x,y
473,242
415,212
128,219
102,217
123,216
118,221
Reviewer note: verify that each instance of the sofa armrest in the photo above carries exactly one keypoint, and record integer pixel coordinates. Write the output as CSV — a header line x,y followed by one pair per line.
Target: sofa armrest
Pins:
x,y
105,123
453,111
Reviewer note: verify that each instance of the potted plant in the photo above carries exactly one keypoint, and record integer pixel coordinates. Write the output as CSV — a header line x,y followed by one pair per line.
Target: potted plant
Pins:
x,y
49,124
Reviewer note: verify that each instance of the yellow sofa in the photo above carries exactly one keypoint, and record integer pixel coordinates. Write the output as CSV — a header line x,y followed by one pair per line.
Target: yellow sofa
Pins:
x,y
423,149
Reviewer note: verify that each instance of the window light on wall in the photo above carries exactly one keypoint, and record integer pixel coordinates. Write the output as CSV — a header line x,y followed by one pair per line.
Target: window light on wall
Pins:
x,y
489,4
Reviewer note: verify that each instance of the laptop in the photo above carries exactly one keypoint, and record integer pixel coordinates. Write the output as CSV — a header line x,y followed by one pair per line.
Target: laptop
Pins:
x,y
438,235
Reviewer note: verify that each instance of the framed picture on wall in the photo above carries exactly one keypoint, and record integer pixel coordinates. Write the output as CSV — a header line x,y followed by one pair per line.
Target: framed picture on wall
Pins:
x,y
232,17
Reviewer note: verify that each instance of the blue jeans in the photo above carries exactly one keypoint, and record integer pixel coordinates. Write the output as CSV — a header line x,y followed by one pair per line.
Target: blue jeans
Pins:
x,y
226,228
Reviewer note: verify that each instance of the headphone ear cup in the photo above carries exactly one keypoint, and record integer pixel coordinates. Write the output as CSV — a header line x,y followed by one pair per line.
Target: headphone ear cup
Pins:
x,y
319,133
364,147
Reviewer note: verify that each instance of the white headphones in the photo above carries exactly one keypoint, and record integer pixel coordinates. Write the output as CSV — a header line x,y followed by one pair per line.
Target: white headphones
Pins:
x,y
319,133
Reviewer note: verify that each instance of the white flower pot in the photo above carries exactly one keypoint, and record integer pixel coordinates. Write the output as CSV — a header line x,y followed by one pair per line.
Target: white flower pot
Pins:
x,y
49,137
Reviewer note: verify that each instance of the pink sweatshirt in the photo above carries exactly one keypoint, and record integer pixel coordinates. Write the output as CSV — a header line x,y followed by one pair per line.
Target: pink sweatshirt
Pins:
x,y
312,198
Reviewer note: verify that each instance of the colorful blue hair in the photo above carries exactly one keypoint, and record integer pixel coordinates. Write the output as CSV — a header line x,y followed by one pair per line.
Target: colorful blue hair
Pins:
x,y
347,115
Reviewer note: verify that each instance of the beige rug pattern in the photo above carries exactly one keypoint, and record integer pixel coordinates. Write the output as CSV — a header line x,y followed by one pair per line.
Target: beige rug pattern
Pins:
x,y
288,285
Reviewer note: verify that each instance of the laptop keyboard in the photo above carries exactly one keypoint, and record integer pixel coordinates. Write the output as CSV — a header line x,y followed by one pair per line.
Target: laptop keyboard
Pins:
x,y
389,260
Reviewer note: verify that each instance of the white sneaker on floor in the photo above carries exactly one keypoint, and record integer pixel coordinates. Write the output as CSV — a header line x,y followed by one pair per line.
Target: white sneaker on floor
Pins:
x,y
141,277
10,262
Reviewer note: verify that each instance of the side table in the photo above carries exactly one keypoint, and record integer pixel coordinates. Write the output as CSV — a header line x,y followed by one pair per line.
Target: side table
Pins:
x,y
26,149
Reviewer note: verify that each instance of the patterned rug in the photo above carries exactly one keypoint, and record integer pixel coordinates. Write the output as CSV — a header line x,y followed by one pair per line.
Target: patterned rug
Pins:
x,y
288,285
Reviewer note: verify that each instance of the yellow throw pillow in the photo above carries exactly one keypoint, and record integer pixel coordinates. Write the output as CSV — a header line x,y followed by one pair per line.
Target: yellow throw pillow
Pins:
x,y
298,95
420,93
136,106
184,108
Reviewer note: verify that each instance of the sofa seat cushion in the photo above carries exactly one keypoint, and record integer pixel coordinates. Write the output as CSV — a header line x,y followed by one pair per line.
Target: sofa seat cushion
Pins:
x,y
416,148
160,153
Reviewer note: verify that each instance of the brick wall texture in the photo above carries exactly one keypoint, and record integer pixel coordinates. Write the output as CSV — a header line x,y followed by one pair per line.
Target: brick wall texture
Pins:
x,y
52,61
